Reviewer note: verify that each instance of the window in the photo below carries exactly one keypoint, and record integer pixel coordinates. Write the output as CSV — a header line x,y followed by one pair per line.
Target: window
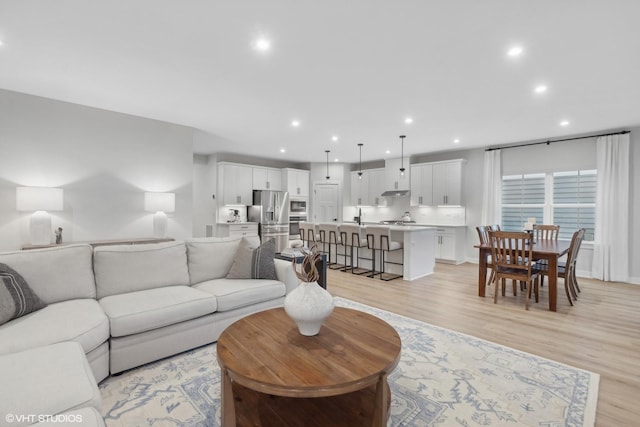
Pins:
x,y
523,196
574,202
567,199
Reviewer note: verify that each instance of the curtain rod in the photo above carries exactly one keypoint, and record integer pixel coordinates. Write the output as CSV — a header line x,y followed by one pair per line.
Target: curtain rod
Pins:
x,y
558,140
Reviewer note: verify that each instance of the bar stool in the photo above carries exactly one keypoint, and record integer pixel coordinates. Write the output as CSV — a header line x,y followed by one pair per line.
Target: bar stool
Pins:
x,y
308,233
379,239
351,236
329,236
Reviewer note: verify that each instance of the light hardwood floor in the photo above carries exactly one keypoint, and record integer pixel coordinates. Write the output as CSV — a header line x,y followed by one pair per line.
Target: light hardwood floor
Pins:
x,y
600,333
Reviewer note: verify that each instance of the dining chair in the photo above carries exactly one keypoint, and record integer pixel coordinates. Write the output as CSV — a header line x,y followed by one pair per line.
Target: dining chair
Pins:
x,y
567,270
546,231
483,236
511,253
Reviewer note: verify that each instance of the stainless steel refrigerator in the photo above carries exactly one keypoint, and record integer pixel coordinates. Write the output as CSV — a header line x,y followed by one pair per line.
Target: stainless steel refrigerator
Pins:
x,y
271,211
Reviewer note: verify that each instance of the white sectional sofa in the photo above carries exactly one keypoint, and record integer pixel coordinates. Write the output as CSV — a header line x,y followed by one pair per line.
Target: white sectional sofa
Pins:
x,y
127,305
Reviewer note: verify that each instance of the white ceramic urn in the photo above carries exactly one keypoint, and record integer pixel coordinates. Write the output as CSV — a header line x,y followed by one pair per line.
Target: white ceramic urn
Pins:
x,y
309,305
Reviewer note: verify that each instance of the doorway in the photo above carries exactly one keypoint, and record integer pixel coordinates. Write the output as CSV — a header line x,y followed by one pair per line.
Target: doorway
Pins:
x,y
326,202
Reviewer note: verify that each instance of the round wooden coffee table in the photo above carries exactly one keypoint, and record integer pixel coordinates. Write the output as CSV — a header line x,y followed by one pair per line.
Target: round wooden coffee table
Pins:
x,y
273,376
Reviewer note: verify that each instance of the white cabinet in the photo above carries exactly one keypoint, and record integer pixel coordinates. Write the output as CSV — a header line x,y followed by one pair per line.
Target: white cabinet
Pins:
x,y
296,181
360,189
437,184
234,184
235,230
447,183
377,187
450,243
366,191
421,185
393,179
267,179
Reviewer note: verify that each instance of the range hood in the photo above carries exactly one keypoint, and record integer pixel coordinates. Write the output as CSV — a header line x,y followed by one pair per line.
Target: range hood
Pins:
x,y
395,193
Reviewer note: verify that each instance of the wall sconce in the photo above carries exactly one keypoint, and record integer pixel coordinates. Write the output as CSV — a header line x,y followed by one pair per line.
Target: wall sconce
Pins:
x,y
39,200
160,203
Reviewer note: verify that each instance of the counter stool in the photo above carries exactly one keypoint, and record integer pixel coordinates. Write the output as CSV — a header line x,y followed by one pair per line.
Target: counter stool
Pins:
x,y
329,236
379,239
308,233
351,236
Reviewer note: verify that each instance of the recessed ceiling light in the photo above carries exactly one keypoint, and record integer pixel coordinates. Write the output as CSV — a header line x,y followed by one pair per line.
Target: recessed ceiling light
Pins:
x,y
564,123
541,89
334,138
515,51
335,160
262,44
408,120
388,152
0,42
282,150
295,123
456,141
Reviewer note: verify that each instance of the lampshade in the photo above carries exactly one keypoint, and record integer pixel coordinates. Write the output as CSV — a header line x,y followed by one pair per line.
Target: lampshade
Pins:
x,y
159,202
33,199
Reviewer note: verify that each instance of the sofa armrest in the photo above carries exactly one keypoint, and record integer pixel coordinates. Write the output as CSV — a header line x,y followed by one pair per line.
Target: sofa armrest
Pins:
x,y
285,273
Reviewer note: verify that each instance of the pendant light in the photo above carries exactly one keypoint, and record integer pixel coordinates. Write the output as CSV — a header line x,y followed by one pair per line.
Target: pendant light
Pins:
x,y
360,167
328,177
402,137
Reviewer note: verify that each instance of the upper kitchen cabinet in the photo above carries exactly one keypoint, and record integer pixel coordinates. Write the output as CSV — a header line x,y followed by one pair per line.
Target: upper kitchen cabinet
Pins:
x,y
421,185
437,184
367,190
360,189
393,179
377,187
267,179
447,183
235,184
297,182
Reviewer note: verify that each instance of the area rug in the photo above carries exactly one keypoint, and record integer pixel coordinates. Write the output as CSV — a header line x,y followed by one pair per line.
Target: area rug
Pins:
x,y
444,378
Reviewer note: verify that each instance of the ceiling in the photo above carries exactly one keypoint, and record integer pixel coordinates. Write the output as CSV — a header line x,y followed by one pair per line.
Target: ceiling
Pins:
x,y
351,68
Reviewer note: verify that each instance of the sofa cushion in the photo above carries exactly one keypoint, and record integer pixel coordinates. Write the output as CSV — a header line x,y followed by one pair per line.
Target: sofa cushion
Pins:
x,y
79,320
16,297
253,262
235,293
128,268
55,274
211,258
142,311
46,381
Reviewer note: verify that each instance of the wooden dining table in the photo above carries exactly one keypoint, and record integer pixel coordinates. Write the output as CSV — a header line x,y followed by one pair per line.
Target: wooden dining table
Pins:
x,y
550,250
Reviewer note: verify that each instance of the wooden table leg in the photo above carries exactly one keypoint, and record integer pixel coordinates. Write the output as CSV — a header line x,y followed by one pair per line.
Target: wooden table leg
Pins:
x,y
482,272
553,282
228,410
381,414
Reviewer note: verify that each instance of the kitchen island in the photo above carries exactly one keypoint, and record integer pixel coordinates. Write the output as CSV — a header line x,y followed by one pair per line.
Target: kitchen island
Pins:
x,y
418,255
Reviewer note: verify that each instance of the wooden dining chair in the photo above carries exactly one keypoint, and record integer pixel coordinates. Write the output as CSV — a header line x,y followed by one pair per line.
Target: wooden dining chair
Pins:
x,y
483,237
567,270
511,253
546,231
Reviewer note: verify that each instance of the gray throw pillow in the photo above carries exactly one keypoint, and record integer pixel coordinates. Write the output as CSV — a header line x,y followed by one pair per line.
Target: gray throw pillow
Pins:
x,y
254,263
16,297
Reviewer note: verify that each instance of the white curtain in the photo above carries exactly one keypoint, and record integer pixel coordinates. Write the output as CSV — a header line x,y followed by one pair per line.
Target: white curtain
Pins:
x,y
611,242
492,188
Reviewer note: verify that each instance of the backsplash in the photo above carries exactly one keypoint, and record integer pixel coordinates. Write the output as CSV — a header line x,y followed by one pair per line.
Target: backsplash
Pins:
x,y
421,215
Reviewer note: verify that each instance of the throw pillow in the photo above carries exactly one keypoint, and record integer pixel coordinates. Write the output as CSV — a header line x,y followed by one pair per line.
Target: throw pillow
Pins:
x,y
254,263
16,297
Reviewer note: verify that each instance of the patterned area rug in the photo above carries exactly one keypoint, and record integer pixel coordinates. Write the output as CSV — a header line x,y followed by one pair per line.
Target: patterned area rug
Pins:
x,y
444,378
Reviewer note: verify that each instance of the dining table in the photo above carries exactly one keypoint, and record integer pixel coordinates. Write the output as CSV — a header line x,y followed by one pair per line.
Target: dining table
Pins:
x,y
549,250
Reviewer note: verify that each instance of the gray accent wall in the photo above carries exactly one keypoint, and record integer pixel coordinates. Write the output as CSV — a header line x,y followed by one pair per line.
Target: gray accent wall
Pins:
x,y
104,161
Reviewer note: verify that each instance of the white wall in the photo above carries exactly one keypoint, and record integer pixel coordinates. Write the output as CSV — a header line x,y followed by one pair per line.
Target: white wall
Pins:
x,y
104,161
